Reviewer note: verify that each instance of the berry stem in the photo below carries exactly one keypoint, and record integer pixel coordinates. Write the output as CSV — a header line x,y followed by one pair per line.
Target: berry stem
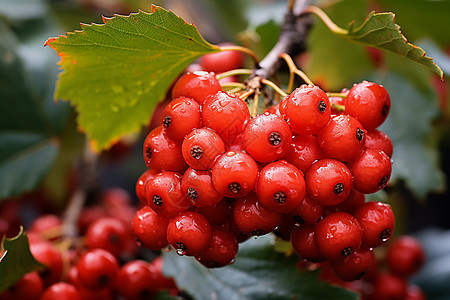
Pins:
x,y
275,87
324,17
294,70
239,86
341,95
338,107
241,49
254,111
246,94
234,72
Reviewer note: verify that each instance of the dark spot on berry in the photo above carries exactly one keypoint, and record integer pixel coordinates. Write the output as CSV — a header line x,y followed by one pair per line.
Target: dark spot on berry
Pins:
x,y
167,121
322,106
383,181
180,246
274,138
234,187
385,234
279,197
148,153
298,220
196,152
103,280
338,188
45,273
157,200
347,251
359,134
192,193
384,110
114,239
258,232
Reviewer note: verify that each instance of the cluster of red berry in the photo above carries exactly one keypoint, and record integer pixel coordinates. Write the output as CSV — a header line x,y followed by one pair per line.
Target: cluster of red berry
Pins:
x,y
218,176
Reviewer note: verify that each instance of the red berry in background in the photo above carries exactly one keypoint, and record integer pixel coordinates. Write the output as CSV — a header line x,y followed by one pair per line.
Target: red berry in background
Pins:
x,y
135,280
308,101
160,281
354,266
304,151
234,174
284,229
118,204
280,187
308,212
338,235
46,225
180,116
47,254
371,171
226,114
60,291
199,189
196,85
369,103
162,153
141,185
89,215
150,229
389,287
221,251
376,139
304,244
328,181
164,195
405,256
413,292
29,287
222,61
97,269
189,233
253,219
267,137
201,148
342,138
377,220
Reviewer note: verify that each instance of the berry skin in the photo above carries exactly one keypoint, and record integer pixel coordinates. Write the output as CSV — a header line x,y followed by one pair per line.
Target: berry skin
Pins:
x,y
221,251
304,151
376,139
135,280
338,235
198,187
369,103
304,244
389,287
197,85
60,291
201,148
226,114
280,187
354,200
354,266
97,269
253,219
216,215
189,233
328,181
164,195
150,229
46,253
141,185
162,153
342,138
234,174
308,101
180,116
267,137
308,212
371,171
222,61
405,256
377,220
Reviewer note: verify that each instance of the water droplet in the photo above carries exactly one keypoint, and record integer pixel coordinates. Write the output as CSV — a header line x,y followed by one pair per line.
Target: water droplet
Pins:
x,y
357,260
231,153
223,249
213,107
333,229
141,229
181,252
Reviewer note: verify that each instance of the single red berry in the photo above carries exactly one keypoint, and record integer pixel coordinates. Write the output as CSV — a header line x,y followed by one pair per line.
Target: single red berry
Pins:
x,y
160,280
308,212
44,223
85,293
150,229
222,61
196,85
389,287
221,251
267,137
141,185
405,256
135,281
253,219
28,287
97,269
354,200
304,244
369,103
304,151
60,291
280,187
338,235
328,181
308,101
199,189
218,214
89,215
189,233
164,195
354,266
162,153
234,174
47,254
227,114
371,171
201,148
180,116
376,139
377,220
342,138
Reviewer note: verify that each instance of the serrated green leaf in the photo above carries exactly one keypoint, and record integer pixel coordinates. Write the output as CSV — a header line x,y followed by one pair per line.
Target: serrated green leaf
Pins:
x,y
115,73
258,273
16,261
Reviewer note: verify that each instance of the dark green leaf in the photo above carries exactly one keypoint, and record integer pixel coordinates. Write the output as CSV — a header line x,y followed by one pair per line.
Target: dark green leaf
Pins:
x,y
258,273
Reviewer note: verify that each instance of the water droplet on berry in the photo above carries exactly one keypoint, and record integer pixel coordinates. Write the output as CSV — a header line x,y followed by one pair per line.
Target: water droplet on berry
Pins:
x,y
213,107
231,153
181,252
141,229
333,229
357,260
223,103
223,249
232,261
183,110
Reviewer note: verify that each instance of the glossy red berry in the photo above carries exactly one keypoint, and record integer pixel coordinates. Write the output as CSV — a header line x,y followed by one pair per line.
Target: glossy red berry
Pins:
x,y
135,281
342,138
196,85
47,254
201,148
377,220
221,251
234,174
308,212
218,214
110,234
60,291
304,151
222,61
304,244
371,171
376,139
280,187
189,233
389,287
150,229
354,200
141,185
405,256
267,137
328,181
338,235
199,189
369,103
354,266
97,269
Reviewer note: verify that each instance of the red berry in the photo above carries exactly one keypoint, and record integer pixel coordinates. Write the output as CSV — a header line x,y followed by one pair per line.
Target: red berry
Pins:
x,y
308,212
135,280
141,185
354,200
222,61
199,189
29,287
160,280
413,292
376,139
355,265
216,215
150,229
221,251
46,253
304,151
45,223
60,291
180,116
369,103
405,256
196,85
97,269
110,234
304,244
389,287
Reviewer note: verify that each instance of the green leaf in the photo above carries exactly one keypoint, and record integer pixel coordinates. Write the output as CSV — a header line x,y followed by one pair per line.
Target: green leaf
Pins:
x,y
115,73
380,31
258,273
16,261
